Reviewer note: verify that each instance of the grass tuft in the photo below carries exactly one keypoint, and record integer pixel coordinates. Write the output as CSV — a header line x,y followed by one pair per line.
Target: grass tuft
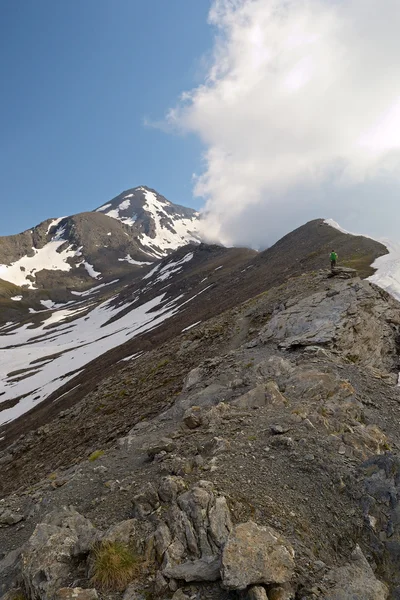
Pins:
x,y
95,455
114,566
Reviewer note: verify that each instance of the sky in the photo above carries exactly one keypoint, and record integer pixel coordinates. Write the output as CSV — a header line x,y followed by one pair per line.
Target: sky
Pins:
x,y
265,113
79,80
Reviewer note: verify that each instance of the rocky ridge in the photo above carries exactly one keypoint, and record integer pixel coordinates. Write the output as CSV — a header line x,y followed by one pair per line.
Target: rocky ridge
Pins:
x,y
271,471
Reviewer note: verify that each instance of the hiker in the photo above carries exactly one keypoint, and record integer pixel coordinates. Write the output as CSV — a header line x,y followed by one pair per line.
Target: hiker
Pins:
x,y
333,258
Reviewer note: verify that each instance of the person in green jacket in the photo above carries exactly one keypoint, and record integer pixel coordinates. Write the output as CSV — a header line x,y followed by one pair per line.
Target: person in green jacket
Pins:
x,y
333,258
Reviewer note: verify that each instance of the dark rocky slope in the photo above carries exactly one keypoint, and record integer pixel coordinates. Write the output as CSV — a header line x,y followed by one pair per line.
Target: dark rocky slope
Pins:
x,y
267,432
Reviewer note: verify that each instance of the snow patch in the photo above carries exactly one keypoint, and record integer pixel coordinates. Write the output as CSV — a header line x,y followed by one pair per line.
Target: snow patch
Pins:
x,y
387,275
131,261
90,269
191,326
54,223
16,298
23,271
102,208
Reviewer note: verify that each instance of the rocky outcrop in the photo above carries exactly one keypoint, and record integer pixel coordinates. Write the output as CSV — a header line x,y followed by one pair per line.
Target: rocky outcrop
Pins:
x,y
255,555
357,319
195,540
355,581
51,554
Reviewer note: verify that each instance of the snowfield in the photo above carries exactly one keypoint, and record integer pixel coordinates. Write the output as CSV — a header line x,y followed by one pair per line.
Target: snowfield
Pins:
x,y
387,267
183,230
48,355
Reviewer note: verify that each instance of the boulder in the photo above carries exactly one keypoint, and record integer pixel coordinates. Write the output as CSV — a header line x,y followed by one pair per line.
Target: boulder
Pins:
x,y
257,592
203,569
255,555
123,532
192,417
8,518
145,502
254,398
162,445
49,556
355,581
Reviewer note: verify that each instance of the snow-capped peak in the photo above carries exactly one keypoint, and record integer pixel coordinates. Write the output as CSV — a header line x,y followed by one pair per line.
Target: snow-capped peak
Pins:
x,y
159,225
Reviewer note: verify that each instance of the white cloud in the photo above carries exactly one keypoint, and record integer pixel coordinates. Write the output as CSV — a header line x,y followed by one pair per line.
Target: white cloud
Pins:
x,y
300,115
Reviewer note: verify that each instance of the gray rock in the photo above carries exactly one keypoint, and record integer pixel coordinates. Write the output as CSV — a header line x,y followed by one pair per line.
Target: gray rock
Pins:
x,y
48,557
355,581
146,502
170,487
122,532
257,592
8,518
162,540
254,398
220,522
203,569
162,445
194,377
255,555
192,417
10,568
278,429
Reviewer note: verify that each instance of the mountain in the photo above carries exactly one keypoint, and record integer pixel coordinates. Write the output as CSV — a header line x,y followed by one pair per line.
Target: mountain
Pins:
x,y
157,224
225,420
71,253
81,339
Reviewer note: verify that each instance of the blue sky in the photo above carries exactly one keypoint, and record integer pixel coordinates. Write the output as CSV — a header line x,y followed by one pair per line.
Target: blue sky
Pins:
x,y
78,79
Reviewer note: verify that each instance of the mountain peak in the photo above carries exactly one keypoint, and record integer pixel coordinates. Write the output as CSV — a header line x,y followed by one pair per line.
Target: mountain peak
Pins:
x,y
159,225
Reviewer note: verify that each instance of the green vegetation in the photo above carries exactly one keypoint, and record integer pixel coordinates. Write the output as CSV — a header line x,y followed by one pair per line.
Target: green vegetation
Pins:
x,y
95,455
114,566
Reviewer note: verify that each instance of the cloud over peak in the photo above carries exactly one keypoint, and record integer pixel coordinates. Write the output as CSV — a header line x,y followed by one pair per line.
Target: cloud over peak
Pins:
x,y
300,116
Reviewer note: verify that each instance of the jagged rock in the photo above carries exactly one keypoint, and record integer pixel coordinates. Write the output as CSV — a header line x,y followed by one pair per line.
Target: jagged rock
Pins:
x,y
146,502
76,594
8,518
380,477
170,487
162,445
194,377
47,558
355,581
162,540
350,321
203,569
123,532
220,521
255,555
257,592
254,398
273,395
192,417
9,566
